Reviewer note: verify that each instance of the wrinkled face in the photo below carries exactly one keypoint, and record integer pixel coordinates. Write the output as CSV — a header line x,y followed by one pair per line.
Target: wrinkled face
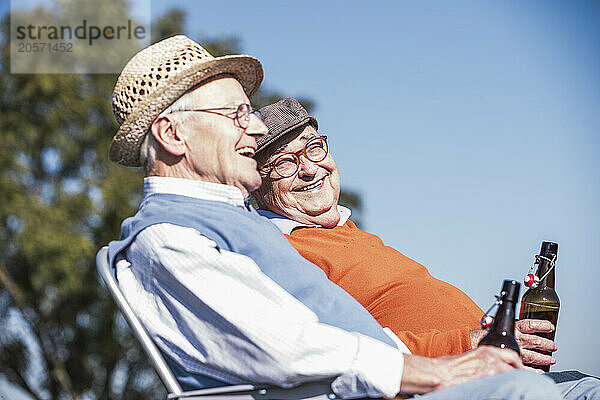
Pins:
x,y
310,195
218,149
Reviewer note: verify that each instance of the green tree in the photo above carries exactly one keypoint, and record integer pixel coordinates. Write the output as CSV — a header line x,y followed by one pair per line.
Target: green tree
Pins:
x,y
61,200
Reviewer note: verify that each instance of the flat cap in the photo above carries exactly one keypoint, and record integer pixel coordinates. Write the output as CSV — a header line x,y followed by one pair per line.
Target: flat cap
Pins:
x,y
281,118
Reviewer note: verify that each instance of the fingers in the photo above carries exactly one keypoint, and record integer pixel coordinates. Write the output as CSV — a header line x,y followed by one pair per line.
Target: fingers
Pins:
x,y
535,358
528,342
505,356
536,342
534,325
476,336
511,358
483,361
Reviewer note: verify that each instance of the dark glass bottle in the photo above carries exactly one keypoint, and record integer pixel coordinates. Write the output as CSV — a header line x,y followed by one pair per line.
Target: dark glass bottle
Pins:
x,y
502,332
542,301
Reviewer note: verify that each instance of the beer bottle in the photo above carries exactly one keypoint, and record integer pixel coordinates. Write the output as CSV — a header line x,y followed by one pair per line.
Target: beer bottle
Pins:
x,y
502,332
540,301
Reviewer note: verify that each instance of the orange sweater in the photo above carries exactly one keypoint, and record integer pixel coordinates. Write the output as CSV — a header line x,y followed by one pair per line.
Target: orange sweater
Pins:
x,y
431,317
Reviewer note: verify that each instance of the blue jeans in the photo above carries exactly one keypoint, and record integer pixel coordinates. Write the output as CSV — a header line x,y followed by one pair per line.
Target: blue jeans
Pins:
x,y
573,385
514,385
520,384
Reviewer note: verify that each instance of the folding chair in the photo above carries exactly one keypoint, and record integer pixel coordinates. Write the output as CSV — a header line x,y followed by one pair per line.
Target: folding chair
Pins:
x,y
319,390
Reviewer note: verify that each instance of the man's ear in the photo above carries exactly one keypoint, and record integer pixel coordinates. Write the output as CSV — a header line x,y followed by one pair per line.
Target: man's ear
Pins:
x,y
165,133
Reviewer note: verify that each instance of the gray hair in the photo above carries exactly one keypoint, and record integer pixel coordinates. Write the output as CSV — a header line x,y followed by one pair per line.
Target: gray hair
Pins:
x,y
149,147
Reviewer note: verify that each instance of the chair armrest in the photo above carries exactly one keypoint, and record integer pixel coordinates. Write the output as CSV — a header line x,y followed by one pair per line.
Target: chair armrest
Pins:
x,y
320,390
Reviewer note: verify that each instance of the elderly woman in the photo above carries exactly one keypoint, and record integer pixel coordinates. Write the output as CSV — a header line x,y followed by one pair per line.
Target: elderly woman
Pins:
x,y
299,194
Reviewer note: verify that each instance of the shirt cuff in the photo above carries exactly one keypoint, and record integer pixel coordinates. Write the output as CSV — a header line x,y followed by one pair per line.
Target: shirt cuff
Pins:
x,y
377,369
399,343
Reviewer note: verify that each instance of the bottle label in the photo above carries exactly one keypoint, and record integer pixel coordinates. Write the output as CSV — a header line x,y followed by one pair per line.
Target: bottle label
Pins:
x,y
540,305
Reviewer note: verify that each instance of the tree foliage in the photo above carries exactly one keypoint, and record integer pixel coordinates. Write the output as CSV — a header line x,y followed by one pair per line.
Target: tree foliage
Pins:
x,y
60,201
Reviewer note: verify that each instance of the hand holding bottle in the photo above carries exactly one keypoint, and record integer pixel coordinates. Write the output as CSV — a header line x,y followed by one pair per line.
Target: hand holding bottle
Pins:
x,y
502,330
498,352
423,375
527,334
540,302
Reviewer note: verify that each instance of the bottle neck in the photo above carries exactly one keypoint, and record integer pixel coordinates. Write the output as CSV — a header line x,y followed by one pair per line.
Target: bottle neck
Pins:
x,y
542,269
505,318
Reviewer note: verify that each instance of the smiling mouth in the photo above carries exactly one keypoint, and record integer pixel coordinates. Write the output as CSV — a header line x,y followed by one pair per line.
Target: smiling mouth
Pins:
x,y
315,186
246,151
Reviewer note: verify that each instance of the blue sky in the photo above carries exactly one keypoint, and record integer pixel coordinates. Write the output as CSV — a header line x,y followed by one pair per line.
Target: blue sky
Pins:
x,y
470,129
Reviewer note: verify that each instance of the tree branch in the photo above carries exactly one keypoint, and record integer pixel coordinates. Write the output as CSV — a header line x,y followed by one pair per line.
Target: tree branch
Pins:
x,y
24,384
12,288
59,370
110,370
18,298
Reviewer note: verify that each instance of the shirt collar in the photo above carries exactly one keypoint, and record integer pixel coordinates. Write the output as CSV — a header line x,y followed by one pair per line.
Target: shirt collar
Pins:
x,y
287,225
193,188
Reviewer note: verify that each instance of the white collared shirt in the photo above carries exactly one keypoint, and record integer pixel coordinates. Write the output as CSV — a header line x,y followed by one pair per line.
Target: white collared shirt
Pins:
x,y
218,315
287,225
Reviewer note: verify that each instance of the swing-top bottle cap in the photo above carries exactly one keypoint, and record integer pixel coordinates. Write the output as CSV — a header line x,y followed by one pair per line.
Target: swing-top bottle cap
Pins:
x,y
548,249
510,290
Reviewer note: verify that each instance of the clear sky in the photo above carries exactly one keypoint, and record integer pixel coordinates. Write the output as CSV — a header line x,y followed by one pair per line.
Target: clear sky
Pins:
x,y
470,129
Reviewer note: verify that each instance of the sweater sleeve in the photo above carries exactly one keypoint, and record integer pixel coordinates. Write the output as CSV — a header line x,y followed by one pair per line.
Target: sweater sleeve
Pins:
x,y
434,343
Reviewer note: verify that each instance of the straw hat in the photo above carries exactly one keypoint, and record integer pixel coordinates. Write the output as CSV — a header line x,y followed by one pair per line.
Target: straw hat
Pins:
x,y
157,76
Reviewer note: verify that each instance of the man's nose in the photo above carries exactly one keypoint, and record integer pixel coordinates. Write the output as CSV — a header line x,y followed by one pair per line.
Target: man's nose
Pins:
x,y
256,127
306,168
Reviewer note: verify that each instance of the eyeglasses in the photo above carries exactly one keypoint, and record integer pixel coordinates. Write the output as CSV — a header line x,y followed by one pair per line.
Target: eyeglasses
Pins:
x,y
242,113
287,164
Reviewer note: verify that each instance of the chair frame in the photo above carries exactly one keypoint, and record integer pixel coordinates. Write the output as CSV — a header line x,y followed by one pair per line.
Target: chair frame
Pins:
x,y
318,390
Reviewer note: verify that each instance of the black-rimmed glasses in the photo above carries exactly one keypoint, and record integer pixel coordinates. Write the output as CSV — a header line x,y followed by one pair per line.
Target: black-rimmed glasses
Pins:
x,y
242,113
287,164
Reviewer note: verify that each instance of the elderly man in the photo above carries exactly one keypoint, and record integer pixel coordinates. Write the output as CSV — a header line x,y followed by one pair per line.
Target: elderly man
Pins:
x,y
300,191
224,295
299,194
432,317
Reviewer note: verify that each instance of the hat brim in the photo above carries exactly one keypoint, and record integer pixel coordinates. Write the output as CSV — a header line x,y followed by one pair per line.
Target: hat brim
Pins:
x,y
125,146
